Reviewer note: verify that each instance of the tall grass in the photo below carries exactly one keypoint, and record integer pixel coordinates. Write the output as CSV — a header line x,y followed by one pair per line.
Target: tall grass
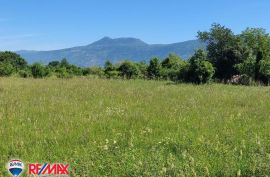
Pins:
x,y
136,128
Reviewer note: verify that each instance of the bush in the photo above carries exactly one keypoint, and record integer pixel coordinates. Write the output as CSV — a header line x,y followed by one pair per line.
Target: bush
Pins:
x,y
13,59
171,67
154,69
128,70
25,73
265,71
112,74
93,71
110,70
38,70
6,69
62,73
200,70
142,66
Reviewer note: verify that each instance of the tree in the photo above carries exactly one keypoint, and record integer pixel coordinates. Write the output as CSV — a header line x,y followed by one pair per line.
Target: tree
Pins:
x,y
171,66
38,70
15,60
54,64
264,69
154,69
98,71
6,68
128,70
224,50
248,66
64,63
257,41
62,72
25,73
142,66
172,61
110,70
200,69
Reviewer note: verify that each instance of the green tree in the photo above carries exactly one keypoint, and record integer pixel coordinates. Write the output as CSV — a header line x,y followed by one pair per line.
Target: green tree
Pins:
x,y
98,71
224,50
26,72
38,70
248,66
128,70
142,66
154,69
6,68
257,41
200,69
110,70
12,60
64,63
54,64
264,69
171,66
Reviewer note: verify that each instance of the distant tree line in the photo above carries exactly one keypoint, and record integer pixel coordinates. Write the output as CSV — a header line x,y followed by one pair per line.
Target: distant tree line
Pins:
x,y
228,58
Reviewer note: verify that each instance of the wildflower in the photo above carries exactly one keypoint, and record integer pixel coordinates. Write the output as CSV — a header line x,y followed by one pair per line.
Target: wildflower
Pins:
x,y
239,172
105,147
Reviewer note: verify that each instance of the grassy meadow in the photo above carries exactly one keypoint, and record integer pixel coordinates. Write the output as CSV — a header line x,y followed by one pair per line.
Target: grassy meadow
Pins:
x,y
135,128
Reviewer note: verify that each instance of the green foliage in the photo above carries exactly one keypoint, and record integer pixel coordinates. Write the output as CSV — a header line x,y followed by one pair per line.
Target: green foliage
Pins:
x,y
172,62
200,69
228,56
128,70
25,73
142,66
171,67
265,70
237,54
98,71
247,67
38,70
64,69
112,74
62,72
223,50
54,64
154,68
110,70
258,42
14,59
6,68
11,63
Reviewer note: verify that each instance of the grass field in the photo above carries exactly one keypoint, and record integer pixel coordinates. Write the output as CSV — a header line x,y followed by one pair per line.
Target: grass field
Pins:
x,y
136,128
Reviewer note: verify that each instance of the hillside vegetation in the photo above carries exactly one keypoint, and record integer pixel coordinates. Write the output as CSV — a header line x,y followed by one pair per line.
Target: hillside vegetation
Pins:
x,y
135,127
229,58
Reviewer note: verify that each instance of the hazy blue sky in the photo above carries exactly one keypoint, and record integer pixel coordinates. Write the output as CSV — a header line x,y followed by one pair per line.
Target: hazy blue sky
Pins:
x,y
54,24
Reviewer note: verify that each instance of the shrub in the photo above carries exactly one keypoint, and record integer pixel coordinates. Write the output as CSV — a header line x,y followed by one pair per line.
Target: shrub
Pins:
x,y
6,68
154,69
25,73
93,71
38,70
128,70
200,70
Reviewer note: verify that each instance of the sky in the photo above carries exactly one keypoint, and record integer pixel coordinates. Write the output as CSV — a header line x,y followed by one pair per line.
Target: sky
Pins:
x,y
57,24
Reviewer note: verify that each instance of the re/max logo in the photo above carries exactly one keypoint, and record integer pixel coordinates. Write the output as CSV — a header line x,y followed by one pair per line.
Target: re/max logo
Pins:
x,y
48,169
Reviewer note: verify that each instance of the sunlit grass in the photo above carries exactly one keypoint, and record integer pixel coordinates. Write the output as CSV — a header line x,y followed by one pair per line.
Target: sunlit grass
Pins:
x,y
136,128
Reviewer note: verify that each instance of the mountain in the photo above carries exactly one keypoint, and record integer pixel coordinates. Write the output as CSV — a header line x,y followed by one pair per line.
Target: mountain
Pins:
x,y
114,50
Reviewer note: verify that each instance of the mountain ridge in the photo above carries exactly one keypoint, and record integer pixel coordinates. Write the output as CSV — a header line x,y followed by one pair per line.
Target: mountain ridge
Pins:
x,y
115,50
